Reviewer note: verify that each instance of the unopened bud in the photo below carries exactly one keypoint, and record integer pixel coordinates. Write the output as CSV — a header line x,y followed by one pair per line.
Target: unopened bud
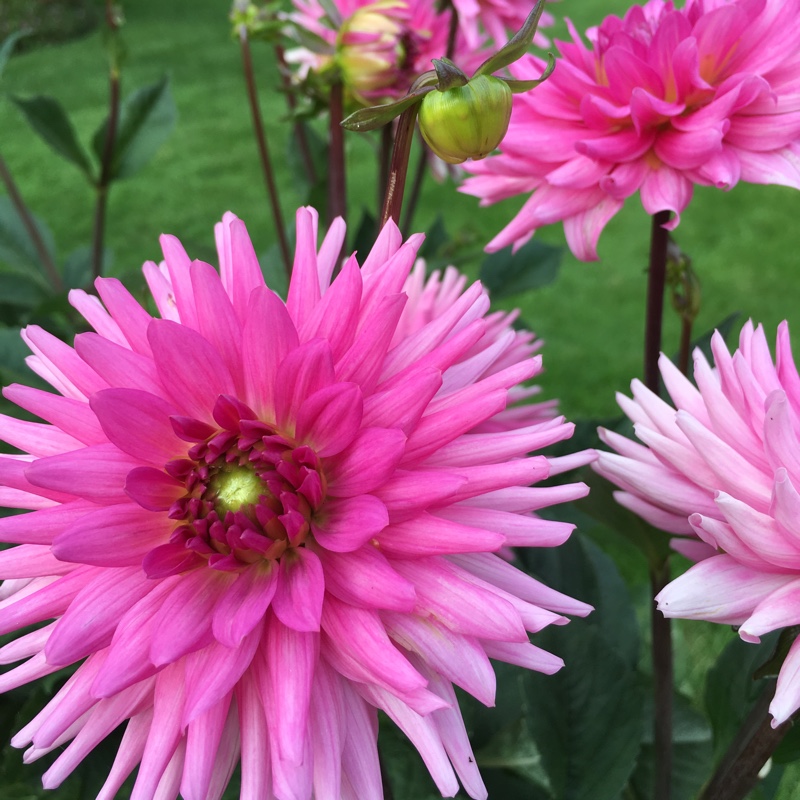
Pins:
x,y
466,121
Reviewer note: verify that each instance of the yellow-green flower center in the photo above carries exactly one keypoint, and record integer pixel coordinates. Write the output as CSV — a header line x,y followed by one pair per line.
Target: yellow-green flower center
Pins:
x,y
235,488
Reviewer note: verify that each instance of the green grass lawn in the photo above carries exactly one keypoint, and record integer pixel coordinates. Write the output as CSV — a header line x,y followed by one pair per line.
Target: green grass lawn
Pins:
x,y
743,244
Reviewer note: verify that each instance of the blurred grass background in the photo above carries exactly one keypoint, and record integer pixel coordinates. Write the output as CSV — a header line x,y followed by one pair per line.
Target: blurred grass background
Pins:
x,y
743,243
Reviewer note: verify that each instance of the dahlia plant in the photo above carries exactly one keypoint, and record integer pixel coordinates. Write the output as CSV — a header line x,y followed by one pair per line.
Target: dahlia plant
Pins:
x,y
255,523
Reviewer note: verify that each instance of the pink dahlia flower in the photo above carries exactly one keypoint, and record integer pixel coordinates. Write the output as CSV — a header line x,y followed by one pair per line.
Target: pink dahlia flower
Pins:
x,y
661,100
501,19
255,523
724,467
381,46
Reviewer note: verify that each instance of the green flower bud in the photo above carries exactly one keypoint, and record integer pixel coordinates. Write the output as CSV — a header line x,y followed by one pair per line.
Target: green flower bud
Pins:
x,y
466,121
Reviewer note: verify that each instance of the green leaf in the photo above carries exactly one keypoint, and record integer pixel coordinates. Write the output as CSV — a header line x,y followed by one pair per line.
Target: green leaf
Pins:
x,y
146,120
20,289
587,718
436,239
77,269
7,48
517,87
49,119
13,352
691,752
374,117
16,247
535,265
517,46
730,688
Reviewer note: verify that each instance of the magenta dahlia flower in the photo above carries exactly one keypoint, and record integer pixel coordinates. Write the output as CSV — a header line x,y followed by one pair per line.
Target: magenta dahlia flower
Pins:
x,y
255,523
724,468
661,100
501,19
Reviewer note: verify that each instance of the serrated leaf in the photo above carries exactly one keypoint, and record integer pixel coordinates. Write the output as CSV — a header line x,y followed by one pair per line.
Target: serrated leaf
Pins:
x,y
146,119
16,248
517,46
535,265
7,48
49,119
730,688
587,718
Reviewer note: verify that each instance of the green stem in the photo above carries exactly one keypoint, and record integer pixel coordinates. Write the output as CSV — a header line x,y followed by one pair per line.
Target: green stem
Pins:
x,y
30,226
337,189
395,187
263,149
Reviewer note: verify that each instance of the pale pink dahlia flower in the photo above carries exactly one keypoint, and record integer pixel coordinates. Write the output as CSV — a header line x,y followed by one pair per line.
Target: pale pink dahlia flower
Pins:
x,y
724,467
255,523
663,99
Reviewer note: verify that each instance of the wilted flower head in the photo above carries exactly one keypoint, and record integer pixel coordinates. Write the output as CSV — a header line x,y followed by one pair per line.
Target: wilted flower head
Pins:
x,y
254,523
661,100
724,467
377,48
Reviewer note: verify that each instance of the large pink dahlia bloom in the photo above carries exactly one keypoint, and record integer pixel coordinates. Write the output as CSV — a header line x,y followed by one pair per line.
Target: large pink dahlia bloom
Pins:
x,y
661,100
725,468
255,523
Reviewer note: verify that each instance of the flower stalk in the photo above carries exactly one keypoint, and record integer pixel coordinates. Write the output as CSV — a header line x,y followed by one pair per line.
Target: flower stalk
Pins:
x,y
337,187
398,169
263,148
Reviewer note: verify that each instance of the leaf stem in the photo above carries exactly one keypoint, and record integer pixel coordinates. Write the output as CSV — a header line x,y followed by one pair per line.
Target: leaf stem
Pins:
x,y
661,630
754,743
30,226
104,180
393,200
337,189
263,149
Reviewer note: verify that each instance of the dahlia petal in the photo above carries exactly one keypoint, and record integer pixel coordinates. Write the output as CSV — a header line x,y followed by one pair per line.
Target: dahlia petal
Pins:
x,y
203,737
423,734
327,730
335,318
787,692
93,614
131,318
524,655
491,477
330,418
460,659
183,622
718,589
153,489
227,756
356,645
30,561
363,360
778,610
380,448
177,262
129,754
365,578
459,604
248,276
34,668
244,604
306,370
583,230
665,189
427,535
692,549
74,417
36,438
25,646
407,493
403,406
657,517
328,256
256,777
118,365
165,732
304,289
217,321
268,337
169,784
333,526
286,693
95,473
683,150
191,370
300,590
138,423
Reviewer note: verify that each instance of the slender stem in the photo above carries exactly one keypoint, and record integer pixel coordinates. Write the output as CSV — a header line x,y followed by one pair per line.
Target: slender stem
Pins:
x,y
393,201
30,226
263,149
416,187
384,159
737,773
686,345
656,281
299,127
661,646
661,654
337,189
452,31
